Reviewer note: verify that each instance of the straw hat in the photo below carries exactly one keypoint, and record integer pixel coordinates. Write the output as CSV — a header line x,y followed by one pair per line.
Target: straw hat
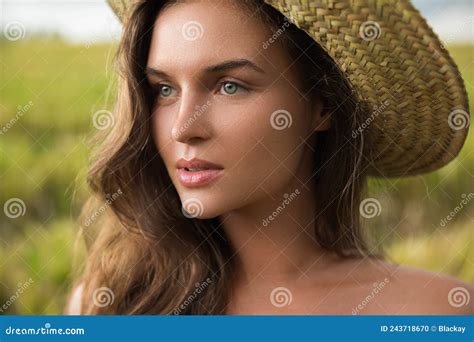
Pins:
x,y
419,112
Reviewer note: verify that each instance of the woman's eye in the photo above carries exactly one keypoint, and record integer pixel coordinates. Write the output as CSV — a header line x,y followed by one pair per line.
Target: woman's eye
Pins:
x,y
227,88
164,90
230,88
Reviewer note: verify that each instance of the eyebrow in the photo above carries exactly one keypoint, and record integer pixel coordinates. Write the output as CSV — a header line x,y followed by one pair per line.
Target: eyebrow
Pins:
x,y
224,66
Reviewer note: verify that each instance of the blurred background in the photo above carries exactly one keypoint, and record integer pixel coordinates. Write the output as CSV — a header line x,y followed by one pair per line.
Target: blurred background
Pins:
x,y
57,73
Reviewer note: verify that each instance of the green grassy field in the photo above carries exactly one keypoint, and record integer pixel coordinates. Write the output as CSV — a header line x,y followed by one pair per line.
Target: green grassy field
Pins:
x,y
49,93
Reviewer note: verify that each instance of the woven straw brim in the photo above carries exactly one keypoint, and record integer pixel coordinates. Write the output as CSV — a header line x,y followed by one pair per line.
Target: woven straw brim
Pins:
x,y
418,115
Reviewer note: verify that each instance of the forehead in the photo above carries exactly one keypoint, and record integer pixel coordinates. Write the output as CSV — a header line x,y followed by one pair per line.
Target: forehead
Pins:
x,y
200,32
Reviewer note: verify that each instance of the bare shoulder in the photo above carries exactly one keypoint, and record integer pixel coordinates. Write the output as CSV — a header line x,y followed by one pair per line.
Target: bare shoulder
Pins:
x,y
73,306
415,291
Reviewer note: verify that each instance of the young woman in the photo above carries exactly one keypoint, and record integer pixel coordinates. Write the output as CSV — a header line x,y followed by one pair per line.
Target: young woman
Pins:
x,y
239,157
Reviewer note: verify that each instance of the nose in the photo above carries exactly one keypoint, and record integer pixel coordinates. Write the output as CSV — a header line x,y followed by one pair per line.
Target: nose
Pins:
x,y
191,121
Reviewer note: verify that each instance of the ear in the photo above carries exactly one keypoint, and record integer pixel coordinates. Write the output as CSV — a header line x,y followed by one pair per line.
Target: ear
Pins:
x,y
321,117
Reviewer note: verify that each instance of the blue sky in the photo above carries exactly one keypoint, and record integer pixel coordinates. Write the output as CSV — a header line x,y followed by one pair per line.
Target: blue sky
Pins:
x,y
92,20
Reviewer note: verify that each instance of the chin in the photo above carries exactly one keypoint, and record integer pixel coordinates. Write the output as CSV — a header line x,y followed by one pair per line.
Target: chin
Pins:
x,y
196,205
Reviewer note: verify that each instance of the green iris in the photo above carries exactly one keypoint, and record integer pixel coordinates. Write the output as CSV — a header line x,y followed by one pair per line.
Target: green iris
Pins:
x,y
165,90
230,88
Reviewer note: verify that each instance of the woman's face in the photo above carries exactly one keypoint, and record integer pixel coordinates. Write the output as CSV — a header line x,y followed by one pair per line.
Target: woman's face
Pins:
x,y
224,98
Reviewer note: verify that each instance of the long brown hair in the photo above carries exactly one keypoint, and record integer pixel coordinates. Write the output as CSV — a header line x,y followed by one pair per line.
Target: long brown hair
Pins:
x,y
150,257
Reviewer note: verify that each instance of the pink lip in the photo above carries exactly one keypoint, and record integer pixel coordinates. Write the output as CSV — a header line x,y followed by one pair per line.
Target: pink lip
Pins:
x,y
193,179
196,163
197,178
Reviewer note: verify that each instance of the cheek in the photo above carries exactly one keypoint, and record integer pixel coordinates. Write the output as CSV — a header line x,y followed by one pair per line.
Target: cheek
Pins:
x,y
161,130
265,145
161,134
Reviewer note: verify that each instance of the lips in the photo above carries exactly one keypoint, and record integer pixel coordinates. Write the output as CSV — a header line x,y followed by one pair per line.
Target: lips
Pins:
x,y
197,172
197,164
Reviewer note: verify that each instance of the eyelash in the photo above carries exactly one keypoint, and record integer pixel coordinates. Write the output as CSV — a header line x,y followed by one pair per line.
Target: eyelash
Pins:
x,y
157,87
240,86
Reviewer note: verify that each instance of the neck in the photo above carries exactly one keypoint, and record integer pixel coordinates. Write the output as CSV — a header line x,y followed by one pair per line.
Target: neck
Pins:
x,y
274,238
